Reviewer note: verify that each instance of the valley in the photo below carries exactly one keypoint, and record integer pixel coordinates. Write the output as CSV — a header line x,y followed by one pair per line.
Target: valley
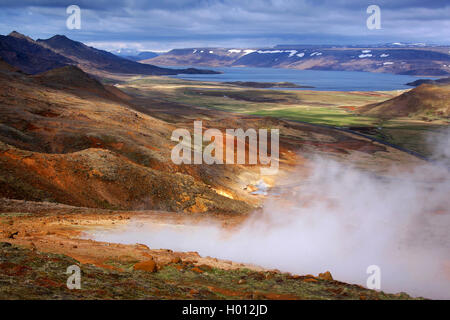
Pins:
x,y
408,130
85,152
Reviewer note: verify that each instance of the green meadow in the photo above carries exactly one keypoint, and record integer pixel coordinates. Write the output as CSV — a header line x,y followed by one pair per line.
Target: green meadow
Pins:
x,y
330,108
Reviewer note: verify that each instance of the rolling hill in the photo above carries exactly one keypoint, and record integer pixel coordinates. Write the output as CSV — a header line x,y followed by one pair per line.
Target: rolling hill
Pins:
x,y
65,137
423,101
442,81
73,79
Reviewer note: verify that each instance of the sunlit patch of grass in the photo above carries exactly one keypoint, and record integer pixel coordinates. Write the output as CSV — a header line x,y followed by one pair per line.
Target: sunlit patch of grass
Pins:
x,y
320,115
332,108
413,135
15,214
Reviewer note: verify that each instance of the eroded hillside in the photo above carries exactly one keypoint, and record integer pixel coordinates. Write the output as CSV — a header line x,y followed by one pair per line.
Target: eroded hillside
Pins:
x,y
68,138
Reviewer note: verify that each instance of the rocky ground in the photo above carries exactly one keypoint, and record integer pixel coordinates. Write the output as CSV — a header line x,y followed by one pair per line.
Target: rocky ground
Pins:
x,y
76,157
38,244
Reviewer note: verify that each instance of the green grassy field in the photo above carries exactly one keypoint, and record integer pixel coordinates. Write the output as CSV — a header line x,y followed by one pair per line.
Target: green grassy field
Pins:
x,y
331,108
320,115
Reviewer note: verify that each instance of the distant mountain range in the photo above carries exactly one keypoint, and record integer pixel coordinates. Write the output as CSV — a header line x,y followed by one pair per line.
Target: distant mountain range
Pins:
x,y
38,56
379,45
397,58
134,55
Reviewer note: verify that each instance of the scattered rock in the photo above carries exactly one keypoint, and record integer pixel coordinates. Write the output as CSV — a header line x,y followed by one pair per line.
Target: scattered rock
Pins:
x,y
197,270
326,276
149,266
175,260
269,276
256,295
179,268
142,246
13,234
193,291
194,253
205,267
5,244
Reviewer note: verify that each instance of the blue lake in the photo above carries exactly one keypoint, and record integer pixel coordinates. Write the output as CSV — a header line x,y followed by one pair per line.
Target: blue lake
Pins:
x,y
321,80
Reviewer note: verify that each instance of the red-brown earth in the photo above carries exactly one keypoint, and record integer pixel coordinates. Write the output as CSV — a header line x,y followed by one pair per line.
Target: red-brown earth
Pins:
x,y
75,153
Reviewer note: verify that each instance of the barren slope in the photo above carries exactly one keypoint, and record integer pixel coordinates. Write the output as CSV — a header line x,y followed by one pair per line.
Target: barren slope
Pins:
x,y
56,123
425,100
68,138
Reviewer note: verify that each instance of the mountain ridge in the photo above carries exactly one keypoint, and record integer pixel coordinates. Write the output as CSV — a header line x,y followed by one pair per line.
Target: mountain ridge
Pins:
x,y
38,56
418,60
28,56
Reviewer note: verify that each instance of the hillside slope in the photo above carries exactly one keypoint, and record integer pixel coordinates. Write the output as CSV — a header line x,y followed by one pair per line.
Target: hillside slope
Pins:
x,y
26,54
34,57
424,101
66,138
99,178
72,78
90,58
442,81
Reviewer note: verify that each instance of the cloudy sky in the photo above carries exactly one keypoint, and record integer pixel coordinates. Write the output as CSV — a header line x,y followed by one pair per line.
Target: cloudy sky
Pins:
x,y
165,24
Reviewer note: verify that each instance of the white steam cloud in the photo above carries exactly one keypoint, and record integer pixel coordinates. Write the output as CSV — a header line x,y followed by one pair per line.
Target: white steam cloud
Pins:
x,y
339,219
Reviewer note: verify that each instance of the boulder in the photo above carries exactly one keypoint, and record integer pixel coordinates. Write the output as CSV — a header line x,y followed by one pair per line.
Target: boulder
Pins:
x,y
326,275
149,266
